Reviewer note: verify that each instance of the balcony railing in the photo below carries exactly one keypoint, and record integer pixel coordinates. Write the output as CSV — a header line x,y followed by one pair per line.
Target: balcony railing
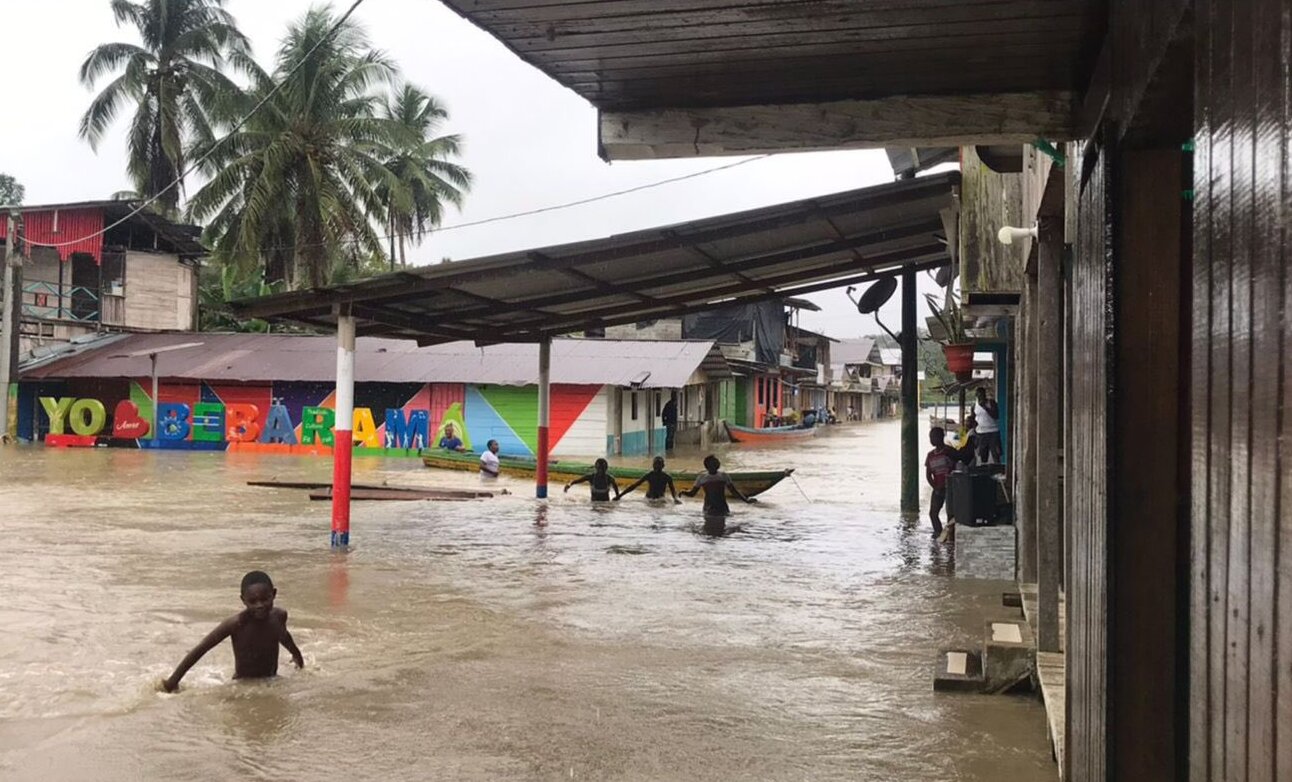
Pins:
x,y
50,301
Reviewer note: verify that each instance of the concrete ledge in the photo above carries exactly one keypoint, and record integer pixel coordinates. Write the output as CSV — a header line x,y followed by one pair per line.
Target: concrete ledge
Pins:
x,y
958,670
985,552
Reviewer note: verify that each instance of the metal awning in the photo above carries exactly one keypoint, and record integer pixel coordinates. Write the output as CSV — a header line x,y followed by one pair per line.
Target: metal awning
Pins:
x,y
786,250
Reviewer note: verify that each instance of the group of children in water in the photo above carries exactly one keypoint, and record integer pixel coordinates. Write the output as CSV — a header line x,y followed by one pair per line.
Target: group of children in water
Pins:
x,y
713,482
260,628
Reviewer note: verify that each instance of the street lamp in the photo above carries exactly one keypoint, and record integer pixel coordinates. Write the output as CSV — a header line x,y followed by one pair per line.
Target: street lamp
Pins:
x,y
152,353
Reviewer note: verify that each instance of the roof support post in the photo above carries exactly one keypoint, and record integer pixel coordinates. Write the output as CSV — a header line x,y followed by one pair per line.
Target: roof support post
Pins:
x,y
343,431
1048,423
544,415
910,400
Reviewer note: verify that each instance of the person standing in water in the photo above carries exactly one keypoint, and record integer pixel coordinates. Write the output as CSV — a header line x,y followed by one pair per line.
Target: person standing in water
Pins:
x,y
987,415
489,467
715,484
600,480
256,632
656,482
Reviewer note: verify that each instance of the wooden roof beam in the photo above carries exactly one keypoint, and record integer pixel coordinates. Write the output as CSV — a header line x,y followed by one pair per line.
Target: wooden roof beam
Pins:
x,y
902,121
400,320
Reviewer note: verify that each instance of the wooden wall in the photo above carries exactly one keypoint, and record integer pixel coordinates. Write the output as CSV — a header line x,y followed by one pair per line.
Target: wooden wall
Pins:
x,y
1241,634
158,292
1087,498
988,202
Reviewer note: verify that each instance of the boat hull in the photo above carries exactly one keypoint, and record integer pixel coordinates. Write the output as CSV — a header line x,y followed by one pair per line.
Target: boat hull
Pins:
x,y
772,436
750,483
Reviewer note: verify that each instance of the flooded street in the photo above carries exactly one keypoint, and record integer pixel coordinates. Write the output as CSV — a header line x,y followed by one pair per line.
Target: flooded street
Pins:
x,y
463,641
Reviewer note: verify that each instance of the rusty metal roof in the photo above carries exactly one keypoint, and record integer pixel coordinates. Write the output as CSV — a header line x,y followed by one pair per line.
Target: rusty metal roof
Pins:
x,y
785,250
263,358
648,54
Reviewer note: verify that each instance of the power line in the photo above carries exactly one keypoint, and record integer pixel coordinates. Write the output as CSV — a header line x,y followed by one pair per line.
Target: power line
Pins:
x,y
239,125
540,210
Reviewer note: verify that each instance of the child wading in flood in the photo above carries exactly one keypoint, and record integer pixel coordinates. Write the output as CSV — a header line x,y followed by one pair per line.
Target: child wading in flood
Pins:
x,y
256,632
600,480
715,485
656,482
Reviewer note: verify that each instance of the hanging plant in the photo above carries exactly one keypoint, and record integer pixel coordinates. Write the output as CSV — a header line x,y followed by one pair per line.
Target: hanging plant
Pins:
x,y
956,344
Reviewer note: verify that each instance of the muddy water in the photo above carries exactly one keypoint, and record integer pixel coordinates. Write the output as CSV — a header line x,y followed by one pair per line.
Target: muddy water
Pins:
x,y
463,641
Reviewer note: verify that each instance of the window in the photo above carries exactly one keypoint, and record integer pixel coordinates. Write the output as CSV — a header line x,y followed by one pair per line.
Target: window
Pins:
x,y
634,405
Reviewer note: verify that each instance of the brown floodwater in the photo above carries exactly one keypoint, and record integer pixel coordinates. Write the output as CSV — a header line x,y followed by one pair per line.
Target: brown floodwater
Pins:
x,y
465,641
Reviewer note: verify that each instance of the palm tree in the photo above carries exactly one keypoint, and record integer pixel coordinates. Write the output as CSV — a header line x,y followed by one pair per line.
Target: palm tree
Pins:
x,y
427,178
304,174
173,78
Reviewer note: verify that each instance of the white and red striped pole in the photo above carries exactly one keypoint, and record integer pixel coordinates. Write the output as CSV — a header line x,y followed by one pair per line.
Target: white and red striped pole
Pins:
x,y
343,431
544,414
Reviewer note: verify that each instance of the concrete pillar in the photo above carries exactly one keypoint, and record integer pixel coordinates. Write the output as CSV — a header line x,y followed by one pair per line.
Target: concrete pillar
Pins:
x,y
544,416
343,431
910,402
1047,425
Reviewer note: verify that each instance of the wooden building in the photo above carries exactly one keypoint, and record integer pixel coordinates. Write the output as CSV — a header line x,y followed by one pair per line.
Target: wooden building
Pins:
x,y
140,274
1154,318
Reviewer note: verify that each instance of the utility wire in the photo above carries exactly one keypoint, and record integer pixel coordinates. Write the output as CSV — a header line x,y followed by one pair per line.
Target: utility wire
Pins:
x,y
540,210
237,127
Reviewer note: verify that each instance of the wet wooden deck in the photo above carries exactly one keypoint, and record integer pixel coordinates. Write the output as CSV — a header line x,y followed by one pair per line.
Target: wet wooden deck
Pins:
x,y
1050,671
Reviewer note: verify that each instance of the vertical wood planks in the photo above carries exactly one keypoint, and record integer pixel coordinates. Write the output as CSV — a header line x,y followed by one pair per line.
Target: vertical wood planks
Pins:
x,y
1241,644
1087,479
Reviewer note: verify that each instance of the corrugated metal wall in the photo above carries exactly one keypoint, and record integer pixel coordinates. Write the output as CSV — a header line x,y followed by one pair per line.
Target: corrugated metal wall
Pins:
x,y
1241,644
1087,495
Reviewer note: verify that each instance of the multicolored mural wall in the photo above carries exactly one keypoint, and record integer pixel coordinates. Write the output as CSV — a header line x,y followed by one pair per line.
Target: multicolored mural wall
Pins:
x,y
391,419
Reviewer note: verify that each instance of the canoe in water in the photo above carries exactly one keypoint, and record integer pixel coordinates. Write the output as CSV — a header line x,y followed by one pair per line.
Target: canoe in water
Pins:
x,y
770,435
750,483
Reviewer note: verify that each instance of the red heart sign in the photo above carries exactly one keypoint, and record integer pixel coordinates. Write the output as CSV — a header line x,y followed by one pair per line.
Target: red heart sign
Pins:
x,y
126,423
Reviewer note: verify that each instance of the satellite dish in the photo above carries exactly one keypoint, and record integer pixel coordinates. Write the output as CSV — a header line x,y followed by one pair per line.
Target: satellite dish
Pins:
x,y
943,277
877,295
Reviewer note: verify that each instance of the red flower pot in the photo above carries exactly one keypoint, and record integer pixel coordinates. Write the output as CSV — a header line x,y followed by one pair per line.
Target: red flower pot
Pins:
x,y
959,358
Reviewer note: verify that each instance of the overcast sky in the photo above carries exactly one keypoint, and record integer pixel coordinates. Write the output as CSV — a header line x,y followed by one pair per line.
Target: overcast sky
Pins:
x,y
529,142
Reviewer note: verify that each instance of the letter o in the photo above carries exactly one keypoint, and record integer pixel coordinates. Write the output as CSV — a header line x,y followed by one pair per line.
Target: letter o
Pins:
x,y
91,424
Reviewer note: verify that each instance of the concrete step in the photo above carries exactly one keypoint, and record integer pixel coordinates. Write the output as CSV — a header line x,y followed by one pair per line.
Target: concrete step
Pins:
x,y
1009,652
958,670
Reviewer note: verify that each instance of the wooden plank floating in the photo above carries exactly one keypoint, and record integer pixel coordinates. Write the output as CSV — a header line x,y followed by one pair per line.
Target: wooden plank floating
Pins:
x,y
465,494
394,495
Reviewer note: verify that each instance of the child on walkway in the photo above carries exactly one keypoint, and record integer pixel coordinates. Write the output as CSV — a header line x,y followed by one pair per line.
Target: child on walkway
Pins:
x,y
938,466
656,482
256,632
600,480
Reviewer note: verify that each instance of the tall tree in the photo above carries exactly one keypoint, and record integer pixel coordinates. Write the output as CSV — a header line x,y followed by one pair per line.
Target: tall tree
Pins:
x,y
427,177
173,78
306,172
11,191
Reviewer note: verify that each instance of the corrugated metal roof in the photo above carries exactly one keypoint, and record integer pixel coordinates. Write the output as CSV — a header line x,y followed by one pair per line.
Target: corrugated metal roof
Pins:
x,y
892,357
790,249
852,351
259,358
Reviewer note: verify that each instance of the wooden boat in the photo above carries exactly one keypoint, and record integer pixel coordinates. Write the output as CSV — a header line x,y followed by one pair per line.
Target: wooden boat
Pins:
x,y
768,436
750,483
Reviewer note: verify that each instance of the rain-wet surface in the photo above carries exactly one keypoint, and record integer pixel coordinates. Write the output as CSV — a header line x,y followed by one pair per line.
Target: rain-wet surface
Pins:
x,y
492,639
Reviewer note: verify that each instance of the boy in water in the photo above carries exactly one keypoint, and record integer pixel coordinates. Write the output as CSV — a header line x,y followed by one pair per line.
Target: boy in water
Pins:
x,y
600,480
715,485
656,482
256,633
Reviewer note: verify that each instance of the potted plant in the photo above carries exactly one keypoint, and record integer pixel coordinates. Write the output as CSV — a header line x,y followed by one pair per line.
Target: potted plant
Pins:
x,y
956,345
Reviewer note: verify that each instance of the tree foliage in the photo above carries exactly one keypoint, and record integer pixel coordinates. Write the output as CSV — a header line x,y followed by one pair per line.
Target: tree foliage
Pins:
x,y
173,78
12,192
328,158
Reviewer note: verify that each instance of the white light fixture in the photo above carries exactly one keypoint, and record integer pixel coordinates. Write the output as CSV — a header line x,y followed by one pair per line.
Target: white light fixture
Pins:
x,y
1009,233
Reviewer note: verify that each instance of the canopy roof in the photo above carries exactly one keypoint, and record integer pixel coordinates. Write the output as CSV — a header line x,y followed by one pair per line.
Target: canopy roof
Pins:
x,y
650,54
779,251
265,358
